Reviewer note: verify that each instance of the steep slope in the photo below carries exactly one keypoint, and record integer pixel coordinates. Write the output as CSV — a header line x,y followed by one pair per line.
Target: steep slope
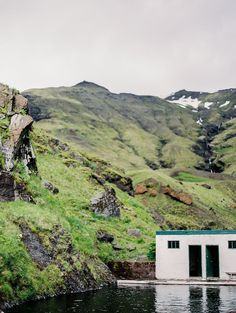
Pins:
x,y
71,239
187,129
83,212
128,130
217,118
38,256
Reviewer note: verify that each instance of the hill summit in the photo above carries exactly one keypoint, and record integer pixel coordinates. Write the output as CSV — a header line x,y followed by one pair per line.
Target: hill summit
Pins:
x,y
187,129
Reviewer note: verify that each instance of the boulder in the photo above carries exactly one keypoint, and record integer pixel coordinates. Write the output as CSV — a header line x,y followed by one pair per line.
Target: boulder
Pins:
x,y
179,196
104,236
7,187
116,247
50,187
131,248
18,124
15,146
40,255
20,103
134,232
56,144
106,204
98,178
3,100
123,183
151,164
10,190
206,186
158,218
140,189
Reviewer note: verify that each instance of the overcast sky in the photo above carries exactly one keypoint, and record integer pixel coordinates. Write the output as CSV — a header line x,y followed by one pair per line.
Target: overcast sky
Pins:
x,y
140,46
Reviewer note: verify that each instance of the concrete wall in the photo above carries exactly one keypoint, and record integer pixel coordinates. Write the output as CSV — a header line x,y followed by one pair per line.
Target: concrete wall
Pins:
x,y
174,263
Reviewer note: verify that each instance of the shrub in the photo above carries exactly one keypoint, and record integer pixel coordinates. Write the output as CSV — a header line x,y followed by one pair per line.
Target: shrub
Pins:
x,y
152,252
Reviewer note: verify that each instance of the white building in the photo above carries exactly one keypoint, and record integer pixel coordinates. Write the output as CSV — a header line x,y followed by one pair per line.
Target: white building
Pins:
x,y
193,254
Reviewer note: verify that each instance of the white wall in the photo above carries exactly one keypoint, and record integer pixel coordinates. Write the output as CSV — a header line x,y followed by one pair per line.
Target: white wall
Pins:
x,y
174,263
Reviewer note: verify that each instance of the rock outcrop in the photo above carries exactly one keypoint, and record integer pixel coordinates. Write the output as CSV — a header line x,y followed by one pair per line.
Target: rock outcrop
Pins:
x,y
104,236
206,186
179,196
11,190
123,183
39,254
75,278
133,270
149,186
140,189
134,232
15,147
49,186
106,203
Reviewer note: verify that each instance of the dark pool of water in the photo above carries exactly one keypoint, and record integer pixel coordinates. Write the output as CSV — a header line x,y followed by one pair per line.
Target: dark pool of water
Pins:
x,y
155,299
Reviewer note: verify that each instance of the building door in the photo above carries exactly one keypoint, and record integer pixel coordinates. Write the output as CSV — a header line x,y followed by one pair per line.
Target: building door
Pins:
x,y
212,261
195,261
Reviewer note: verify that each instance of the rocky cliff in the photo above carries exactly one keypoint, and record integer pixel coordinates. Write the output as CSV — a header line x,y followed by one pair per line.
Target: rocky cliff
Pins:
x,y
84,211
15,147
38,255
216,116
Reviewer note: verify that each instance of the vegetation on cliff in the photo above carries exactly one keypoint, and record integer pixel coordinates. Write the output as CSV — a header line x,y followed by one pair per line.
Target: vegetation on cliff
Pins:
x,y
57,240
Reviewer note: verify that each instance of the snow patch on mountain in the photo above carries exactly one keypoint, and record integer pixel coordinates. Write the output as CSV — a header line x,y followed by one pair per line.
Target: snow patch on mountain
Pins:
x,y
199,121
189,101
224,104
208,104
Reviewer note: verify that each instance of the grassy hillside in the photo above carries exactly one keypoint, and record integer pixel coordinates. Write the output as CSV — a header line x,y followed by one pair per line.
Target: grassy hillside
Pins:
x,y
143,131
110,140
129,131
65,226
224,146
213,199
67,214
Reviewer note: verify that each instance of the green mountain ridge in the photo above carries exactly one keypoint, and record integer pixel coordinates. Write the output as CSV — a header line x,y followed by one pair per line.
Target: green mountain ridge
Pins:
x,y
149,152
143,131
217,118
140,129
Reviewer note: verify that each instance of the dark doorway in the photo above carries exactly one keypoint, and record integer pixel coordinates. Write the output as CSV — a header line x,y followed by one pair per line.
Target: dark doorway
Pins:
x,y
212,261
195,261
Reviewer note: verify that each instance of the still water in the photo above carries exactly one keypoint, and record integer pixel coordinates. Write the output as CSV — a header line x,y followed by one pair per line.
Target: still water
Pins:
x,y
153,299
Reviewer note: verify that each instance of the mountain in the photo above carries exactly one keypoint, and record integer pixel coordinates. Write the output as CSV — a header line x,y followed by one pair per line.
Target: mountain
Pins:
x,y
96,175
187,129
39,255
216,116
130,131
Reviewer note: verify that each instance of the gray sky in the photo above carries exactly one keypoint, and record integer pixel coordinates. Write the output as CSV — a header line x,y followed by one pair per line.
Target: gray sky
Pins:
x,y
140,46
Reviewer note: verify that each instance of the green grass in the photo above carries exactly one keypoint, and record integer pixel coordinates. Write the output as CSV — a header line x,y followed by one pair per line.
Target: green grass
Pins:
x,y
124,130
214,208
69,209
187,177
94,120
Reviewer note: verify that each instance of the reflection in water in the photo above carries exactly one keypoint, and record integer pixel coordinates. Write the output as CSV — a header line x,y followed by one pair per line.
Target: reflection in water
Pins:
x,y
156,299
195,299
172,299
114,300
213,300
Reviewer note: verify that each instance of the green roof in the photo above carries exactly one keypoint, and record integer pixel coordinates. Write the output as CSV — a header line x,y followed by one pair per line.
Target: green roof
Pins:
x,y
195,232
